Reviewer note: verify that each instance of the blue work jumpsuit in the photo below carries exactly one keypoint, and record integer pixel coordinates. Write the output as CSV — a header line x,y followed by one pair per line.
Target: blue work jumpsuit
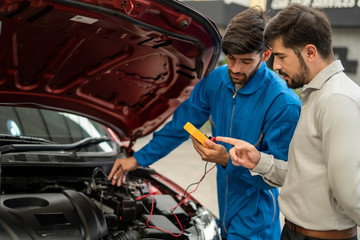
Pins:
x,y
248,207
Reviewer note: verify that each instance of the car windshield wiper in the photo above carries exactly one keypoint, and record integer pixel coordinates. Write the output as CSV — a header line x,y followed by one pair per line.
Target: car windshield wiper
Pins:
x,y
52,146
6,138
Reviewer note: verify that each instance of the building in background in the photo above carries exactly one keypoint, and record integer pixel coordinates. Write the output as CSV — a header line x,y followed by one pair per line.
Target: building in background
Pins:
x,y
220,11
343,15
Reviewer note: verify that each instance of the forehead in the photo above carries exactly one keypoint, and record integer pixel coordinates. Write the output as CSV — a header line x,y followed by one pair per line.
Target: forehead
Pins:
x,y
253,55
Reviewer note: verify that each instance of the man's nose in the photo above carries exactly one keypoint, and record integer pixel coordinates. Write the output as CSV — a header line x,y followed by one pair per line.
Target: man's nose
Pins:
x,y
237,67
276,65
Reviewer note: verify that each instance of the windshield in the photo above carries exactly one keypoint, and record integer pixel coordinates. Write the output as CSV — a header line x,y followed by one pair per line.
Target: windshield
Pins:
x,y
57,127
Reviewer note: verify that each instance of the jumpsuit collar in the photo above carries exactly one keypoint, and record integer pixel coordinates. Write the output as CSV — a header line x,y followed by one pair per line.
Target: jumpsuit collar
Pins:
x,y
252,85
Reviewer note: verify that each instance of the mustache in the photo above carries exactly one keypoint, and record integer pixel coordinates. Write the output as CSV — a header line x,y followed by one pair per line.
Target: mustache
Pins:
x,y
237,73
283,73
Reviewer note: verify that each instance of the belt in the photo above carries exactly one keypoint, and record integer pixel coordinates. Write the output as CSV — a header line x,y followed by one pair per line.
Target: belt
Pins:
x,y
331,234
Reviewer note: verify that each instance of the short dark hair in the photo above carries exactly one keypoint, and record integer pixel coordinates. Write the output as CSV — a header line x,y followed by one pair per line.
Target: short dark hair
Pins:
x,y
244,34
298,25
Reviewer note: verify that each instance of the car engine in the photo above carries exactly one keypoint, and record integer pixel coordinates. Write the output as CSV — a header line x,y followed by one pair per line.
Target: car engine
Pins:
x,y
71,202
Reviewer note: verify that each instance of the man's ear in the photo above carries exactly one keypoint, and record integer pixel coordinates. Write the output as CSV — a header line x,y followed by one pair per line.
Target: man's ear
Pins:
x,y
310,52
266,55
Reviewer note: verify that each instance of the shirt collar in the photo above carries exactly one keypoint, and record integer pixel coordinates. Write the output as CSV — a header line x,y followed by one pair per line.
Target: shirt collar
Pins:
x,y
253,84
318,81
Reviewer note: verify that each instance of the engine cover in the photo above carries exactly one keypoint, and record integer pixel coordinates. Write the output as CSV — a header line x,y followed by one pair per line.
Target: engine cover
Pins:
x,y
67,215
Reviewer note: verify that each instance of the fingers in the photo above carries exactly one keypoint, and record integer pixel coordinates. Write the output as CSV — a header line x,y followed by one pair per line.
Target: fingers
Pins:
x,y
122,178
198,146
196,143
229,140
118,177
240,144
242,154
114,169
120,168
247,156
235,155
210,143
212,153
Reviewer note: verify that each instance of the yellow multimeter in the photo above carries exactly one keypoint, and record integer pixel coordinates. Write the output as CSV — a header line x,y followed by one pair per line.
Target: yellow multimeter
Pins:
x,y
196,133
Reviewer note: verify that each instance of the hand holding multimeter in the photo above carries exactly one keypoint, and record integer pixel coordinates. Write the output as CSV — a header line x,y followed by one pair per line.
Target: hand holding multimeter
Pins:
x,y
216,154
201,137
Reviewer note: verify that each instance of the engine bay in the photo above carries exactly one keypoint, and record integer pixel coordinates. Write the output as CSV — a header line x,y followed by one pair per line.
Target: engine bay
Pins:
x,y
72,202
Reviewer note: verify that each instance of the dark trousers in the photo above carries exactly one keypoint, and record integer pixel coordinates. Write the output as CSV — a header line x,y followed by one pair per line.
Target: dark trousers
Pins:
x,y
288,234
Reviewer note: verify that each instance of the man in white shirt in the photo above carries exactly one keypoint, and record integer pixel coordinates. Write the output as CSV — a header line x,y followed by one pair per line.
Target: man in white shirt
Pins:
x,y
320,196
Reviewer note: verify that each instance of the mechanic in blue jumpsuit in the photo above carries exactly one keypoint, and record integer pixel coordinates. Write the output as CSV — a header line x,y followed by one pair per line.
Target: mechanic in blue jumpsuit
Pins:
x,y
245,100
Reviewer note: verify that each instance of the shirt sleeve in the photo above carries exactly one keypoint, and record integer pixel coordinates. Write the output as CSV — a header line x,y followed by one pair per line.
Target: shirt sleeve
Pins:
x,y
339,121
272,170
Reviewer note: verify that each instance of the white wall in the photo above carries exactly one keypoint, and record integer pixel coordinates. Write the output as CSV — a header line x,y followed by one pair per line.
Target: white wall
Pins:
x,y
349,38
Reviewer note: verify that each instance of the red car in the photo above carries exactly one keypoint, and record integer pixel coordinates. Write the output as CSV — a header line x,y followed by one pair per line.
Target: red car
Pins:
x,y
80,82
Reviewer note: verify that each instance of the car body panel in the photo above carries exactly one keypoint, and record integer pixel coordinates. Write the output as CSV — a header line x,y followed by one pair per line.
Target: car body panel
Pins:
x,y
127,64
78,80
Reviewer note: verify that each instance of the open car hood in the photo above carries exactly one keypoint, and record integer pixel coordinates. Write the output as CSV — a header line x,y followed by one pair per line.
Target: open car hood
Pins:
x,y
125,63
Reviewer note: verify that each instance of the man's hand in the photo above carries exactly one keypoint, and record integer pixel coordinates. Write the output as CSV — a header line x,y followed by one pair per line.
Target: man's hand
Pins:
x,y
120,168
216,153
243,153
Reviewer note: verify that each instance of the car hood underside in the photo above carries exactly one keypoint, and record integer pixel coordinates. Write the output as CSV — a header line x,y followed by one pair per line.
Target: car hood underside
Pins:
x,y
127,64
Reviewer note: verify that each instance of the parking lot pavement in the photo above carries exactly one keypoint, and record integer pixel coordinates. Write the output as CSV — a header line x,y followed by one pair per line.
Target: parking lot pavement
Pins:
x,y
184,166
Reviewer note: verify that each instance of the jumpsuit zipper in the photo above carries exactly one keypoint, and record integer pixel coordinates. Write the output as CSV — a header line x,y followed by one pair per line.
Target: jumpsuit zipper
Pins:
x,y
227,185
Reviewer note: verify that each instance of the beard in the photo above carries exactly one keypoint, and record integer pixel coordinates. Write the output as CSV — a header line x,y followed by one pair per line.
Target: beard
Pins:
x,y
242,78
299,79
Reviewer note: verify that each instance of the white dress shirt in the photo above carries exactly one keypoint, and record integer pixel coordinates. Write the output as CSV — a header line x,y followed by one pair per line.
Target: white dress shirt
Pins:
x,y
321,190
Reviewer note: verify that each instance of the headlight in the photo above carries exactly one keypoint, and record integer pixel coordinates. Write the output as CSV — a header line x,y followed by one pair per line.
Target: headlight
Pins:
x,y
206,225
